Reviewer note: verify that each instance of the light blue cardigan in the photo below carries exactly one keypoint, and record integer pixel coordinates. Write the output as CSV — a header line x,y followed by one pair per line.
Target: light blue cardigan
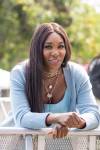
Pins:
x,y
79,98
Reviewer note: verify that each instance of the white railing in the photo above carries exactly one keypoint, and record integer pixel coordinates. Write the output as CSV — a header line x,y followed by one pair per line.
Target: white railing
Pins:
x,y
3,108
24,139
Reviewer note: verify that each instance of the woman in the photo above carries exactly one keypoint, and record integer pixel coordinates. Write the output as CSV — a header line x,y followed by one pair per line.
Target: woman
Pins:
x,y
94,74
48,90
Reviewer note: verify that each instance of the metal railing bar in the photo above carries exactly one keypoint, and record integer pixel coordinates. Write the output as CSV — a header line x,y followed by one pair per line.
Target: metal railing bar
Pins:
x,y
92,143
28,142
41,142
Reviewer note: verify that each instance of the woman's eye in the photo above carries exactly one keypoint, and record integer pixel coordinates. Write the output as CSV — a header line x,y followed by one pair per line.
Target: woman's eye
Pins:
x,y
48,47
61,46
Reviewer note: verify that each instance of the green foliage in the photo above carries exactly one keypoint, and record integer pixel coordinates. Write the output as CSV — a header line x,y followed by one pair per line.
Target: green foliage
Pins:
x,y
20,17
84,33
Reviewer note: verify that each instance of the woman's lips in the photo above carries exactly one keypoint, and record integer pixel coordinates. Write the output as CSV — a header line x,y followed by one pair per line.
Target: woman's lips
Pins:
x,y
54,61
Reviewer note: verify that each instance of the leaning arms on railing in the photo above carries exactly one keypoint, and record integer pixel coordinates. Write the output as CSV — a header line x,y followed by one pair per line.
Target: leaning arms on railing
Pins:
x,y
24,139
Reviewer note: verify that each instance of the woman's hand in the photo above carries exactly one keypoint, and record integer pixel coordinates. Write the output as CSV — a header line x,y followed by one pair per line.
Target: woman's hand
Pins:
x,y
59,131
69,120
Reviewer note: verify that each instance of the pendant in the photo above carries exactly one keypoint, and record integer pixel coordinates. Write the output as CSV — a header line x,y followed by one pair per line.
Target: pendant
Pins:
x,y
49,95
50,86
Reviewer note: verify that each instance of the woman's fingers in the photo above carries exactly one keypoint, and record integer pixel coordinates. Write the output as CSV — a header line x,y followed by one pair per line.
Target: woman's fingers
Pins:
x,y
60,132
79,120
65,131
74,121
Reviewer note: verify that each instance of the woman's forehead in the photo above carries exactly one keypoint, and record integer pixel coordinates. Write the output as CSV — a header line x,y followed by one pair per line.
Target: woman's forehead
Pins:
x,y
54,37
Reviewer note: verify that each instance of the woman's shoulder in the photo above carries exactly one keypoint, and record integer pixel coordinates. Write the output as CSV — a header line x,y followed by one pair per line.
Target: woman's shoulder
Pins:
x,y
18,71
74,65
21,65
77,70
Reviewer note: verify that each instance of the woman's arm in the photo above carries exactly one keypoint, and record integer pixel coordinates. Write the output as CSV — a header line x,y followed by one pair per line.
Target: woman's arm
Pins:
x,y
86,103
68,119
21,110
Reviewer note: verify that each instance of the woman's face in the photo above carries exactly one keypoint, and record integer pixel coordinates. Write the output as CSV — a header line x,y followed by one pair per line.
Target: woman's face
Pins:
x,y
53,52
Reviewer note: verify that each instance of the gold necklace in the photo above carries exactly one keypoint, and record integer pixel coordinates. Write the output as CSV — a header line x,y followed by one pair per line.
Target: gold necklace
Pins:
x,y
50,75
51,88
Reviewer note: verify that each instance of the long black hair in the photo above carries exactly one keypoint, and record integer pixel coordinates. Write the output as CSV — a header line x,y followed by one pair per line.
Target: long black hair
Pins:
x,y
34,68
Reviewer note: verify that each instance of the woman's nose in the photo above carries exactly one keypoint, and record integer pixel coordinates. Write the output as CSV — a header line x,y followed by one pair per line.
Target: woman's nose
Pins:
x,y
55,53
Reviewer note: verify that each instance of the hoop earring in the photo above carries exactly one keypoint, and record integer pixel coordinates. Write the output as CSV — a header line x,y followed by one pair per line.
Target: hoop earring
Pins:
x,y
64,62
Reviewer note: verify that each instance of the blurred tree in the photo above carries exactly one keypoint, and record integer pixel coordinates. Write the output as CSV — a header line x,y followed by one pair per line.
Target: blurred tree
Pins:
x,y
84,33
20,17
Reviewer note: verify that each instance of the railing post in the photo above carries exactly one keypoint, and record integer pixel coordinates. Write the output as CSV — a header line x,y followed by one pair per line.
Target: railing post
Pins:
x,y
92,142
28,142
3,108
41,142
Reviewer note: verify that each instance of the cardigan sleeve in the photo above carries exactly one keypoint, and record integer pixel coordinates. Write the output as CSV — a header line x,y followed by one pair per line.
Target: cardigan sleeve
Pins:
x,y
86,103
20,107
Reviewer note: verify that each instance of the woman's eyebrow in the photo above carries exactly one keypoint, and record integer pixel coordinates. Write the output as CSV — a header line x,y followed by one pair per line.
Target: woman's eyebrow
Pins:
x,y
51,43
48,43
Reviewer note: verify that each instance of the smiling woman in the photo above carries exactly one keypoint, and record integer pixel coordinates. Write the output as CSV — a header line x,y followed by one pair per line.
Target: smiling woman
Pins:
x,y
48,89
